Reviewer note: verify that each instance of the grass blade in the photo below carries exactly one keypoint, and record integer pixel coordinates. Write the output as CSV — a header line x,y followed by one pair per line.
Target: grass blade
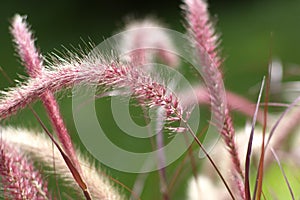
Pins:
x,y
283,173
259,177
249,149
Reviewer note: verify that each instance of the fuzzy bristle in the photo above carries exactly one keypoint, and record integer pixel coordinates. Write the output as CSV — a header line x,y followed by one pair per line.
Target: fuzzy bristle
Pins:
x,y
37,145
19,178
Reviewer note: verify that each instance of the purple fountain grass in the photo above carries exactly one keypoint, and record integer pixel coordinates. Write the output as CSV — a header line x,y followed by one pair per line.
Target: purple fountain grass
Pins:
x,y
202,30
110,76
19,178
95,71
37,145
142,34
206,43
126,76
33,61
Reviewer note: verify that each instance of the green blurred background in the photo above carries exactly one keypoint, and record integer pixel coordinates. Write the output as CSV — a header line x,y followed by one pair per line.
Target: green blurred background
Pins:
x,y
250,31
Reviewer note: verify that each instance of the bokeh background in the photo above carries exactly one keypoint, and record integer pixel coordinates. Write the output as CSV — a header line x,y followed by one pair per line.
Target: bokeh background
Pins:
x,y
253,32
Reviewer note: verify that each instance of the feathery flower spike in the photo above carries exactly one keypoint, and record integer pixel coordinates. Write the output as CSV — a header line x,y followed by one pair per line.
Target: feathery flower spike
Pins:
x,y
206,42
111,76
38,145
140,35
19,178
33,62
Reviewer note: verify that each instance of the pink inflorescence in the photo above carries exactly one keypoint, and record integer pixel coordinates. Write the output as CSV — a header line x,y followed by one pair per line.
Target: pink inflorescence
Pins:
x,y
206,43
149,92
202,29
23,38
110,76
19,178
33,62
